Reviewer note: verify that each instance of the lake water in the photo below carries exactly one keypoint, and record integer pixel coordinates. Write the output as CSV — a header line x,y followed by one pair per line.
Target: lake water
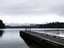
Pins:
x,y
10,38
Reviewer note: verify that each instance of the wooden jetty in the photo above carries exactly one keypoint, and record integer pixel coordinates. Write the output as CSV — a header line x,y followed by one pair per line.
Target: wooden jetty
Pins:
x,y
49,41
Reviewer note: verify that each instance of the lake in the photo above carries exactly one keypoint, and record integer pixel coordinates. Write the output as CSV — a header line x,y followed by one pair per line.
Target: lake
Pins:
x,y
10,37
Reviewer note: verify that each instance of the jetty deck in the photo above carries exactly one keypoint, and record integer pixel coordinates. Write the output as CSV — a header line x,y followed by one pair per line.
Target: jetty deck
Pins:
x,y
41,37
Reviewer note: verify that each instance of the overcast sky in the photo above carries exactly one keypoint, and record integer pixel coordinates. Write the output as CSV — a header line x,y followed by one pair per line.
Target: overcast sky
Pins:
x,y
31,11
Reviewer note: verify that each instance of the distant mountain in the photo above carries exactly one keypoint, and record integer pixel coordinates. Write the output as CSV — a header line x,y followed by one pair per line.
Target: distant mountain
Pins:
x,y
22,25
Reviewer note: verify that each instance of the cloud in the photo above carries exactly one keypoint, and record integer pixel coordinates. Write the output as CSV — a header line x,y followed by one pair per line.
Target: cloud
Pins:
x,y
31,7
31,19
58,10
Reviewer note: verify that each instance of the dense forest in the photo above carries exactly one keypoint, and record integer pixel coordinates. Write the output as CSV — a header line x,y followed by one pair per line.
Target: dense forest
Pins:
x,y
53,25
2,25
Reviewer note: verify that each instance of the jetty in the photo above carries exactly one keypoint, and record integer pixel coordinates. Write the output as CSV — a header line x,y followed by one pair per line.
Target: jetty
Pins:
x,y
49,41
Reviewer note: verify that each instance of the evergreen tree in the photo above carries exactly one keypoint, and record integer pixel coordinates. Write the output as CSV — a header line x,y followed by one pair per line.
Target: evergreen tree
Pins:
x,y
2,25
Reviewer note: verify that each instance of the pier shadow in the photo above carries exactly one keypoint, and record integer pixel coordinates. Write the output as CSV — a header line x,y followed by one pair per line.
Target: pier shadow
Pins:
x,y
31,43
1,33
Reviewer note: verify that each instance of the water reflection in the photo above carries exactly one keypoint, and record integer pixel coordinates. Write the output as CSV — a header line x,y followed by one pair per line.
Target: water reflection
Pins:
x,y
11,39
1,33
58,32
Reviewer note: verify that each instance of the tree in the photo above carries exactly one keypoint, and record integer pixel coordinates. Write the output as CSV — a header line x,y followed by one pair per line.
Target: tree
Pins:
x,y
2,25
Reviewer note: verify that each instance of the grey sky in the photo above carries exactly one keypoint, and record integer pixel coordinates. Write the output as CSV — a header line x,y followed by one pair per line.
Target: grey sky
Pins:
x,y
32,8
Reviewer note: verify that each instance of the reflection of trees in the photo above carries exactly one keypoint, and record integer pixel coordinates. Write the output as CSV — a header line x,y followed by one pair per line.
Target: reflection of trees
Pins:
x,y
1,33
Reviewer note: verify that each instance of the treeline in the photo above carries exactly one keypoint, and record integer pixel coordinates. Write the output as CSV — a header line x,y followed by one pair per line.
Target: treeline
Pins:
x,y
52,25
48,25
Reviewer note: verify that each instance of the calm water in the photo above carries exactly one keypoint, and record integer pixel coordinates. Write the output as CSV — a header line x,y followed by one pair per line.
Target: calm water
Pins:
x,y
10,38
